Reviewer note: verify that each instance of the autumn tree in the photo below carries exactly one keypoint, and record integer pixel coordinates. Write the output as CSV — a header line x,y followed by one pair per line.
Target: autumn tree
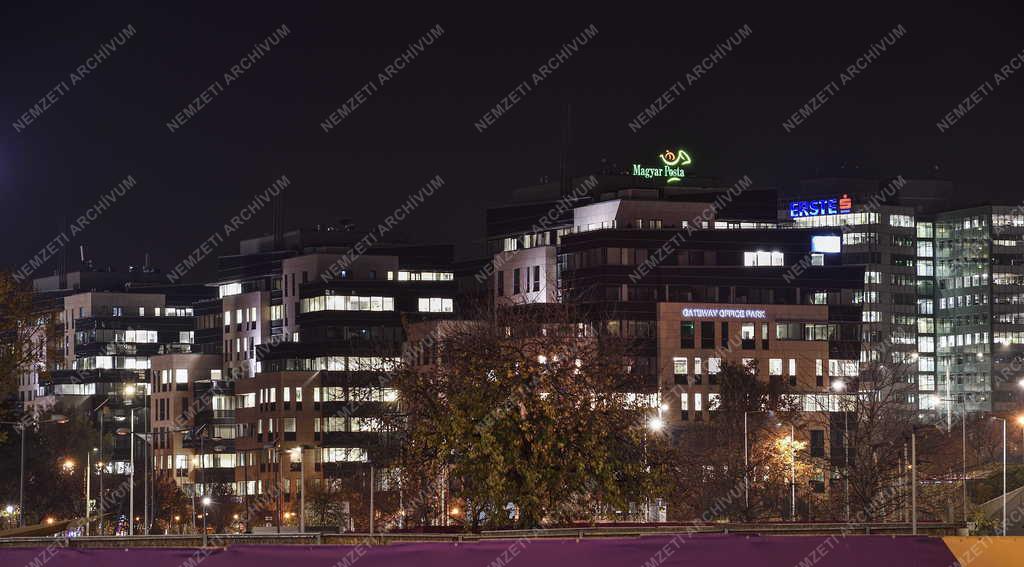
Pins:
x,y
54,466
529,416
24,333
170,502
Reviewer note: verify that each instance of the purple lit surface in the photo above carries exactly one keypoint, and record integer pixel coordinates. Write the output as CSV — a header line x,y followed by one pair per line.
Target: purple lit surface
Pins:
x,y
780,551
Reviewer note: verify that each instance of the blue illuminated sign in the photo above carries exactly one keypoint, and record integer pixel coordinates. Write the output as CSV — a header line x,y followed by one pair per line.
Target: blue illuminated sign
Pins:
x,y
826,244
821,207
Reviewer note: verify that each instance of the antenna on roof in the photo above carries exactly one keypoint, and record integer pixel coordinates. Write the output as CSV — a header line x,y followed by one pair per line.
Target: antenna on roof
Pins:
x,y
279,222
62,267
565,175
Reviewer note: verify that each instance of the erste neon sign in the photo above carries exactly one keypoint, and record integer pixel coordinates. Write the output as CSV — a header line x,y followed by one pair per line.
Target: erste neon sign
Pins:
x,y
671,168
821,207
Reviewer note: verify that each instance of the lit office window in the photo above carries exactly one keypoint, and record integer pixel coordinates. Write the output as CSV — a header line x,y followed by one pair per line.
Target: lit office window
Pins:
x,y
763,258
343,455
347,303
905,221
230,289
435,304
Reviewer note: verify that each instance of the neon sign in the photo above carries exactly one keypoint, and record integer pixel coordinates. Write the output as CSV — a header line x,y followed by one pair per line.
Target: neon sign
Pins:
x,y
671,168
710,313
821,207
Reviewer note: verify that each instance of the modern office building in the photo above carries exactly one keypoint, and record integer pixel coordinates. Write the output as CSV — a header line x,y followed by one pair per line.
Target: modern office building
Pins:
x,y
979,307
941,286
696,276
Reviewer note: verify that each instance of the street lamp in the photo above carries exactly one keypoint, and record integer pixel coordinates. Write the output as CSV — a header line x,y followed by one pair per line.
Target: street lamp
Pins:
x,y
206,504
22,426
1004,471
130,431
840,386
297,453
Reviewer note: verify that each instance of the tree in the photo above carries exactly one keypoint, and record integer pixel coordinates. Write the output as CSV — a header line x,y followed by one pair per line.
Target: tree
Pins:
x,y
24,334
711,482
529,417
54,467
880,426
170,502
328,504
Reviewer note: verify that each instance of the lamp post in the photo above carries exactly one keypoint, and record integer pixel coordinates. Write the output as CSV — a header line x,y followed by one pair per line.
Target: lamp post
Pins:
x,y
840,386
1004,471
299,454
654,425
201,475
22,426
131,471
206,508
101,415
88,485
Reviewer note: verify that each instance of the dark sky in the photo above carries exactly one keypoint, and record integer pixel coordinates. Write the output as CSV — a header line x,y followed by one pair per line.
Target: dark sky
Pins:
x,y
421,122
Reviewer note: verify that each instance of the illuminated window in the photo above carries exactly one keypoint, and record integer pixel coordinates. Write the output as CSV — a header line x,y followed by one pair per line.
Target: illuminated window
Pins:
x,y
905,221
763,258
230,289
347,303
343,455
435,304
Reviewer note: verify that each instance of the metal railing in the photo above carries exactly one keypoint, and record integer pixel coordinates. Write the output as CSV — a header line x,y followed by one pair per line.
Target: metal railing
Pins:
x,y
224,540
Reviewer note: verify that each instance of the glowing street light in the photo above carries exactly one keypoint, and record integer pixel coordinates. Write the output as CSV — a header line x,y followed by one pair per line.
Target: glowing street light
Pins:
x,y
206,503
656,424
68,465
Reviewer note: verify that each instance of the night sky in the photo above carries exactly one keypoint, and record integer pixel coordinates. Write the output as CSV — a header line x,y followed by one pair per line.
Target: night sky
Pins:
x,y
421,122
